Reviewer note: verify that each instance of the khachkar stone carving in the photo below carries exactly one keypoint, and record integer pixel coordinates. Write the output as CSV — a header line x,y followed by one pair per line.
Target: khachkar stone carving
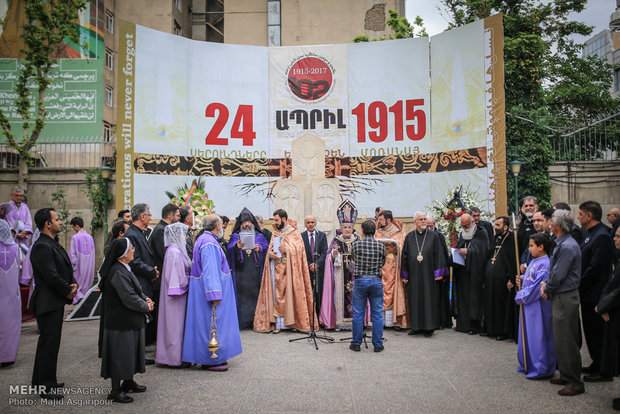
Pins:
x,y
308,192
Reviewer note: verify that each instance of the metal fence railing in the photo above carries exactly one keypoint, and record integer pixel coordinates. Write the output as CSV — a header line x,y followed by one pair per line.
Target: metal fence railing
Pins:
x,y
62,155
599,141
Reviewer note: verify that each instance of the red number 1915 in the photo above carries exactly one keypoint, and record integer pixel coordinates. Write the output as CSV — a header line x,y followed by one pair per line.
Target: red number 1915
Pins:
x,y
378,120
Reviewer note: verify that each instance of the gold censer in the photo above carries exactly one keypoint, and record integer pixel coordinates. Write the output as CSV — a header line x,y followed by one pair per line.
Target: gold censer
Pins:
x,y
214,345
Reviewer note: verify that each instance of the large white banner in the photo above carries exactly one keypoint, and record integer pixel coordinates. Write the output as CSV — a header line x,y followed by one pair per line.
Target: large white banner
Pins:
x,y
402,121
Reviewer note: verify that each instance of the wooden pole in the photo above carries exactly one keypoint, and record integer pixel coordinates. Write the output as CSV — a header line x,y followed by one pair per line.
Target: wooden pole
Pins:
x,y
521,320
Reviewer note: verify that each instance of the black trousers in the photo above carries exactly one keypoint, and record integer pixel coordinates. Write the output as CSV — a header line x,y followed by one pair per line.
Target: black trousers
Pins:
x,y
151,327
593,329
46,358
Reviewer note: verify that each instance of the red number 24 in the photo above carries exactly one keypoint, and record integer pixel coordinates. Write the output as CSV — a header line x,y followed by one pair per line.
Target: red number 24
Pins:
x,y
242,127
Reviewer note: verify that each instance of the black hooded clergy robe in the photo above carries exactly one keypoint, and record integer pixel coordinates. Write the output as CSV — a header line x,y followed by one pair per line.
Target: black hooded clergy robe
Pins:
x,y
499,304
424,261
468,281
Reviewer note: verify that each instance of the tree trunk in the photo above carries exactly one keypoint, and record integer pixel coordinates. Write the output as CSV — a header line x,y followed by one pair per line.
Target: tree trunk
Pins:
x,y
23,173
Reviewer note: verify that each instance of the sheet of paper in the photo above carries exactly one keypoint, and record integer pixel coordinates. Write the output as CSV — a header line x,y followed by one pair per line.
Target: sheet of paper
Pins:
x,y
457,258
276,246
247,240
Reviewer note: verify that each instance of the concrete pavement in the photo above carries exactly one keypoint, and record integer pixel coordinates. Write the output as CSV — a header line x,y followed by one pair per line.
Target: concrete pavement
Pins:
x,y
450,372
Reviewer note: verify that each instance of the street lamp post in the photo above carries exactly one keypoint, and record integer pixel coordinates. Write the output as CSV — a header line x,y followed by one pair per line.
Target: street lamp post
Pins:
x,y
106,173
515,167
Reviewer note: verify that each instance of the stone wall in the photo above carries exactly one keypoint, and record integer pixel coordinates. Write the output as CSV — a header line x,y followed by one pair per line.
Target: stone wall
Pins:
x,y
578,181
44,182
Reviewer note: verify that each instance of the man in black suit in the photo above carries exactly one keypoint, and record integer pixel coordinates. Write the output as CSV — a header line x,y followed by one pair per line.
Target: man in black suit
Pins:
x,y
475,214
143,263
315,241
596,266
55,287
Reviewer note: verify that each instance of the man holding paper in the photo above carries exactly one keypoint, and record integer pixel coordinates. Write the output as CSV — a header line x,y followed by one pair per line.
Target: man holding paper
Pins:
x,y
246,255
285,297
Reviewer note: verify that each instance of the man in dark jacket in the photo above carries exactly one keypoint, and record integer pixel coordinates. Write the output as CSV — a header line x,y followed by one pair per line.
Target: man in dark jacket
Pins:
x,y
55,287
143,263
608,309
596,265
315,242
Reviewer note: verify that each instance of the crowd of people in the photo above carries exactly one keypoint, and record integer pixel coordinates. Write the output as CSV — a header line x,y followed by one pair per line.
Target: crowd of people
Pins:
x,y
538,283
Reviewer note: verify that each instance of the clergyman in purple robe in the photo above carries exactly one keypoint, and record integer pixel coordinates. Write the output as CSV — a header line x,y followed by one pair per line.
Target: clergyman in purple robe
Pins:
x,y
10,299
173,296
82,255
536,315
246,265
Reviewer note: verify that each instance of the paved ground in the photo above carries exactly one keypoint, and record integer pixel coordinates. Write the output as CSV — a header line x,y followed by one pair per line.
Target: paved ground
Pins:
x,y
450,372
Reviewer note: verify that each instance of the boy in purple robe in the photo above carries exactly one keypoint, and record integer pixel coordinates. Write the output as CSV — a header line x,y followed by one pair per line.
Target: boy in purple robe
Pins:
x,y
82,255
173,296
210,286
10,298
536,315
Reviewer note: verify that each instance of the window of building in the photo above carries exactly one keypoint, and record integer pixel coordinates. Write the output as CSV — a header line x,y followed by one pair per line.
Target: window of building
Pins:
x,y
176,29
109,96
107,132
177,3
109,59
617,80
109,21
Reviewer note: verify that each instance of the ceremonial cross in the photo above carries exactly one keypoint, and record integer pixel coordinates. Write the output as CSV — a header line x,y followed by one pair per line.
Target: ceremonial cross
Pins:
x,y
5,252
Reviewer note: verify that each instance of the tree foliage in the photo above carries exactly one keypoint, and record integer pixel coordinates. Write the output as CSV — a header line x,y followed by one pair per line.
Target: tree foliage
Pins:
x,y
401,27
49,24
549,86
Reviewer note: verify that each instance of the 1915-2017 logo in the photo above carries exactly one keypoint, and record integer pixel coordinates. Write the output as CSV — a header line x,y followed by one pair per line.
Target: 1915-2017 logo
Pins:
x,y
310,78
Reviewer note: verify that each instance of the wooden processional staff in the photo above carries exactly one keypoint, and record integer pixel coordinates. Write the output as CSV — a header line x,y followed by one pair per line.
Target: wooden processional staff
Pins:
x,y
521,320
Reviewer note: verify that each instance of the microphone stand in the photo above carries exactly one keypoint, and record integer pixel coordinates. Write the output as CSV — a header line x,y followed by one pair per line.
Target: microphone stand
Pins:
x,y
312,336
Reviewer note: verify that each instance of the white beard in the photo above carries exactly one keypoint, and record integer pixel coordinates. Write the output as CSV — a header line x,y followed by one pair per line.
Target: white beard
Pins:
x,y
529,214
469,234
220,234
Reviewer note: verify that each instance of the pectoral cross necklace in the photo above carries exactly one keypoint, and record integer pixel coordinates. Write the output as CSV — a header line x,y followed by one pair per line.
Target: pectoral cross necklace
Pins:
x,y
498,248
420,257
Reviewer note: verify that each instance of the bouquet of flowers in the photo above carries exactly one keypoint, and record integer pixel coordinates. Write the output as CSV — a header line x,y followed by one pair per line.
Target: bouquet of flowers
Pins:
x,y
193,195
457,201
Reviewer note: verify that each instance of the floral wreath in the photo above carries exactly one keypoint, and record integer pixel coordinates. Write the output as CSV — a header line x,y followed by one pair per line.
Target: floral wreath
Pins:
x,y
457,201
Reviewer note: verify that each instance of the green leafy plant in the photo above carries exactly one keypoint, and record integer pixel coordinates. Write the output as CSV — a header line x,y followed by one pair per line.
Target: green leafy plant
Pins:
x,y
95,187
59,200
48,24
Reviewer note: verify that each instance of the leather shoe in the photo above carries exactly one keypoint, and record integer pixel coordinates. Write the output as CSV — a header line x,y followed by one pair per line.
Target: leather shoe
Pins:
x,y
355,348
471,332
558,381
597,378
413,332
378,348
7,364
120,397
588,370
59,385
52,396
615,404
148,361
500,338
428,334
132,386
569,392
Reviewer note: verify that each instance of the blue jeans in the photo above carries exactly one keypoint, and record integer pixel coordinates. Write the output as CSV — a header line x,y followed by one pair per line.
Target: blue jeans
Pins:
x,y
372,290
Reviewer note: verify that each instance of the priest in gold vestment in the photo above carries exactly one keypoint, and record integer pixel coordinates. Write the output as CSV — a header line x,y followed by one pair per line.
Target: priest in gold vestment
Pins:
x,y
390,232
285,297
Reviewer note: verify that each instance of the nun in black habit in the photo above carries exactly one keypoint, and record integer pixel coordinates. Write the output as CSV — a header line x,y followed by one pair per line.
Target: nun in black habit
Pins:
x,y
126,308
